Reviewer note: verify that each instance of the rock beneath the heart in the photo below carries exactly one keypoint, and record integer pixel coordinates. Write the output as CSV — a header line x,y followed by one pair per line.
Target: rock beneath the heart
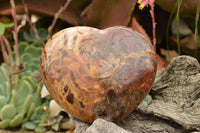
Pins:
x,y
103,126
175,107
176,93
80,126
136,122
98,126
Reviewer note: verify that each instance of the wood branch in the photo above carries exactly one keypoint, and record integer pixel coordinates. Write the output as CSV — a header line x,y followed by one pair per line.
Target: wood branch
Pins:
x,y
175,107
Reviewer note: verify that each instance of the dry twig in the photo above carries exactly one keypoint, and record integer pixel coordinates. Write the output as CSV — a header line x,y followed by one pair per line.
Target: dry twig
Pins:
x,y
9,51
30,23
56,17
12,2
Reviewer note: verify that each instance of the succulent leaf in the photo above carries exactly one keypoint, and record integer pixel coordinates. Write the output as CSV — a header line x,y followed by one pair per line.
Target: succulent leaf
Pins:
x,y
34,66
8,112
34,51
37,99
2,91
26,57
36,61
28,73
31,110
2,78
31,50
21,103
39,87
43,33
17,120
29,125
5,90
36,44
28,103
37,115
147,100
8,90
19,94
40,129
31,81
22,47
3,101
4,124
4,72
27,37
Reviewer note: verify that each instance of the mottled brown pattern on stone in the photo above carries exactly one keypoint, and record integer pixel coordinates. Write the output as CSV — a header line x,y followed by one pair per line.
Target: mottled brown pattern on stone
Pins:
x,y
107,72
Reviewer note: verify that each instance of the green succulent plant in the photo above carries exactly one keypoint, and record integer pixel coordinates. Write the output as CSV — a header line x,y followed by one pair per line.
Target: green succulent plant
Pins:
x,y
18,101
147,100
31,37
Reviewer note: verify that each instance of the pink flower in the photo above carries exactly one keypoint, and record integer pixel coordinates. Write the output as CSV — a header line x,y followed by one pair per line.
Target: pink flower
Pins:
x,y
144,3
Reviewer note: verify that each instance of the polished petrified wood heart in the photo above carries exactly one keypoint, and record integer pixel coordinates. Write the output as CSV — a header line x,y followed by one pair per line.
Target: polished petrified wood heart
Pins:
x,y
95,73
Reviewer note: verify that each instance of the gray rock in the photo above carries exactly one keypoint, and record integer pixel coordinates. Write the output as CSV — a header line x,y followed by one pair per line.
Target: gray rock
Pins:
x,y
136,122
103,126
175,107
184,29
81,127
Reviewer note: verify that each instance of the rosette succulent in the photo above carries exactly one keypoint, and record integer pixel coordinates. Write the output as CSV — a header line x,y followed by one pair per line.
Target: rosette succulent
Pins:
x,y
21,104
19,101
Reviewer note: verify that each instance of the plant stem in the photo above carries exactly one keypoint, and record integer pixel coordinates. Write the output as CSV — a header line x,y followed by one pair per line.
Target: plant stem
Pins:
x,y
177,19
168,27
57,15
153,25
196,28
5,55
9,51
12,2
15,34
30,23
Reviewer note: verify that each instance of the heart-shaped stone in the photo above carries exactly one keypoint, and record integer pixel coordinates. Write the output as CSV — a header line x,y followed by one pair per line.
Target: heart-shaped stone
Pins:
x,y
95,73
